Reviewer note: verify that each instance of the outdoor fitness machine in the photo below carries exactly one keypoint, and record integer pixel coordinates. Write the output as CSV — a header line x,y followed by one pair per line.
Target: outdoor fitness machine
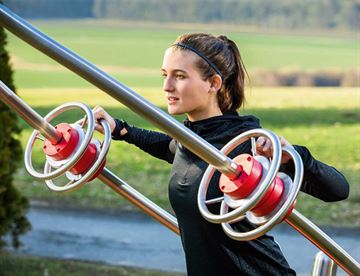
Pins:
x,y
252,186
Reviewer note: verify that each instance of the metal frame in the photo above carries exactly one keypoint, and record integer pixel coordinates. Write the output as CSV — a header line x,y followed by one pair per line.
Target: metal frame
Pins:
x,y
107,177
193,142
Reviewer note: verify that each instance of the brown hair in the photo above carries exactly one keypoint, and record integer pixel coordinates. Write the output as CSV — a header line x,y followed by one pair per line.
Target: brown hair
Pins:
x,y
225,55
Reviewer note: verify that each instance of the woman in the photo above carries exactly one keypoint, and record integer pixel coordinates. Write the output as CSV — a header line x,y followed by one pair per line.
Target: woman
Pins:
x,y
204,78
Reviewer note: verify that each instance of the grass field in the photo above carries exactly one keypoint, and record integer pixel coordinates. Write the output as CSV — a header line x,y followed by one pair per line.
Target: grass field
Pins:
x,y
325,120
33,266
133,54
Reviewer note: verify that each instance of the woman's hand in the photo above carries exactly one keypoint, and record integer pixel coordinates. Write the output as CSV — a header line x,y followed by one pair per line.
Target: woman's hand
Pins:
x,y
264,147
100,113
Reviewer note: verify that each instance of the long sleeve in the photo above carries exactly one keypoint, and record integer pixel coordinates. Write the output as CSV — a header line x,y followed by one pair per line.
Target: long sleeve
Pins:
x,y
155,143
320,180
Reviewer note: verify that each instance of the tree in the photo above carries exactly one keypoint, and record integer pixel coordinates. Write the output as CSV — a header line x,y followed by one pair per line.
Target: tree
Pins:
x,y
12,204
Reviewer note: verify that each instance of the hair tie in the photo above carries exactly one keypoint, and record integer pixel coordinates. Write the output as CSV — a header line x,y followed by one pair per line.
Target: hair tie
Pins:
x,y
212,65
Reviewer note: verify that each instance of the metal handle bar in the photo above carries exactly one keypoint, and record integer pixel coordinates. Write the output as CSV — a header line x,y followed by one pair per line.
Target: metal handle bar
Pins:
x,y
120,92
323,266
32,118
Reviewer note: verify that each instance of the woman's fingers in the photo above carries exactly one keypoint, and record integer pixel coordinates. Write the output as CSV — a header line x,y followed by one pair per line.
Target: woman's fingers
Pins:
x,y
264,147
101,114
260,141
98,115
285,157
99,128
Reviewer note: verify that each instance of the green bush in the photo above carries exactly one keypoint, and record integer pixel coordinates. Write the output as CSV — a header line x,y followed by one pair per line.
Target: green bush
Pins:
x,y
12,205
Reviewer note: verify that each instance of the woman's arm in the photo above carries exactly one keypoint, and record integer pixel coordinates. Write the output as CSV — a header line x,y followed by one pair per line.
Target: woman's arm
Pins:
x,y
320,180
155,143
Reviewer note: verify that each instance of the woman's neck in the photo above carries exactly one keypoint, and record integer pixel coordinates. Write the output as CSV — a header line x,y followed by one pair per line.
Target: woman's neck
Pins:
x,y
203,115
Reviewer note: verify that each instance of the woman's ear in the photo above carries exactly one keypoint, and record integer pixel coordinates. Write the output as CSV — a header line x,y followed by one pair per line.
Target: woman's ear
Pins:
x,y
216,82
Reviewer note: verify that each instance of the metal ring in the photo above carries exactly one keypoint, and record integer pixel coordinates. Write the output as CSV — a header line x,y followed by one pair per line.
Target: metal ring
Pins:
x,y
54,113
99,160
277,215
255,197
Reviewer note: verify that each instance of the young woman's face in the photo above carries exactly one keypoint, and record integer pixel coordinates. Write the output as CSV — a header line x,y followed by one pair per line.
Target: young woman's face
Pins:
x,y
185,90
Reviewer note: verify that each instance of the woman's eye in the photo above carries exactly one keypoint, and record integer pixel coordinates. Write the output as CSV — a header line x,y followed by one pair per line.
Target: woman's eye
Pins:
x,y
180,77
164,76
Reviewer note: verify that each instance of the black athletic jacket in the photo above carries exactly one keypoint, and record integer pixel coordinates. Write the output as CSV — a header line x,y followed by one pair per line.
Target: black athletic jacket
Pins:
x,y
208,250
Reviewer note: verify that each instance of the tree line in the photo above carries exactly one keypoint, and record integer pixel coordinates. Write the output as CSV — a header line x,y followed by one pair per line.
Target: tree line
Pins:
x,y
286,14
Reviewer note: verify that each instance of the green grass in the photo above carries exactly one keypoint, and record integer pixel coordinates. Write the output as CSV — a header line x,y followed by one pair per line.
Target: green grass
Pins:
x,y
141,47
65,79
325,120
21,265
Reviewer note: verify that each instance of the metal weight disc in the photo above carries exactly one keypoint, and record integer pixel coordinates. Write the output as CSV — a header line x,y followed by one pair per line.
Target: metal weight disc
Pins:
x,y
266,223
257,194
61,170
76,182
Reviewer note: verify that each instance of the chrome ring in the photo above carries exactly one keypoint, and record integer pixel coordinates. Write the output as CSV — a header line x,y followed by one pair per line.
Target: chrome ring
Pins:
x,y
54,113
83,179
277,215
255,197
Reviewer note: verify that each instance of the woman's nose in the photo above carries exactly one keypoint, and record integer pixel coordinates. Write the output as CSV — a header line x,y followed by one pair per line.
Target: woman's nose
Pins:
x,y
168,85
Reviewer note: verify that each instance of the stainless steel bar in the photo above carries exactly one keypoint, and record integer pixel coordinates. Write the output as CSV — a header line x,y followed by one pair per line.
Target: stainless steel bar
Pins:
x,y
28,114
320,239
323,265
117,90
123,189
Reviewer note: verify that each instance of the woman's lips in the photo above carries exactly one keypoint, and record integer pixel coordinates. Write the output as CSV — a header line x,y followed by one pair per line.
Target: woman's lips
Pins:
x,y
172,99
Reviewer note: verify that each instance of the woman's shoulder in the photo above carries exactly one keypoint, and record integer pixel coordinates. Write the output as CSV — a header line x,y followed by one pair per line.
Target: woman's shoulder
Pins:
x,y
247,121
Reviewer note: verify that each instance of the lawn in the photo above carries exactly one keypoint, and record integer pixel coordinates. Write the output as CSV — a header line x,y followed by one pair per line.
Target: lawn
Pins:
x,y
133,54
323,119
326,120
21,265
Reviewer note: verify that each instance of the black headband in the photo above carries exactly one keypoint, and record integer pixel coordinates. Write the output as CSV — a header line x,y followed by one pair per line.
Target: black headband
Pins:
x,y
212,65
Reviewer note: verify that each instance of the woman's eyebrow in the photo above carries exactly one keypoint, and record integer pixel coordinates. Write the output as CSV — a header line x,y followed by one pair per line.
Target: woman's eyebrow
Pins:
x,y
174,71
180,71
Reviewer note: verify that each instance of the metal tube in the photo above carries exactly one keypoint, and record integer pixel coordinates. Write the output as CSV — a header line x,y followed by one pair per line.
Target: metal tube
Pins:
x,y
28,114
150,208
117,90
320,239
323,265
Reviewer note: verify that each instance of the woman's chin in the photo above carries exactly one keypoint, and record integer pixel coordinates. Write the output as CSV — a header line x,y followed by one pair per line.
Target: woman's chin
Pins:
x,y
172,111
